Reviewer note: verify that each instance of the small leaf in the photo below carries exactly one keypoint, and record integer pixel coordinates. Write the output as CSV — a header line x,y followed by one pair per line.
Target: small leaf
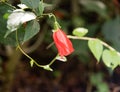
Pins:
x,y
31,63
31,3
64,59
31,29
111,58
47,67
41,7
80,32
19,17
96,48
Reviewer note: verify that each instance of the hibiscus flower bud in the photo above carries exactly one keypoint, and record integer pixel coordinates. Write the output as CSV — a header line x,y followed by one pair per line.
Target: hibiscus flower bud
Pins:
x,y
62,43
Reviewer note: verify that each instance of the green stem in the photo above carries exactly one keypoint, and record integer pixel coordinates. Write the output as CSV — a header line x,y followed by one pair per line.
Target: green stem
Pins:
x,y
88,38
53,60
24,52
56,24
51,15
39,64
19,47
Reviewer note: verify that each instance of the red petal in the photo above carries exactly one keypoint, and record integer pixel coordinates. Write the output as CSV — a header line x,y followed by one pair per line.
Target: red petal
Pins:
x,y
62,43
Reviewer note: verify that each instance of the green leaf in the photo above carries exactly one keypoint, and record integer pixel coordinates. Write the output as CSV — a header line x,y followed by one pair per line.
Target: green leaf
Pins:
x,y
96,48
111,58
11,39
31,63
18,17
41,7
31,3
80,31
3,23
31,29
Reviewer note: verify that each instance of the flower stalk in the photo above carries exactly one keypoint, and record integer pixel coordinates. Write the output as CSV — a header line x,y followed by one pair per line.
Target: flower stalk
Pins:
x,y
47,67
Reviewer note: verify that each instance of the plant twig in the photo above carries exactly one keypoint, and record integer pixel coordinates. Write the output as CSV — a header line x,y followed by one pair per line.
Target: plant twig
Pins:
x,y
88,38
23,52
53,60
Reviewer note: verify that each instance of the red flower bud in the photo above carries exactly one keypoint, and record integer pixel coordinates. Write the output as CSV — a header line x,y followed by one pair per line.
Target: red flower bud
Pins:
x,y
62,43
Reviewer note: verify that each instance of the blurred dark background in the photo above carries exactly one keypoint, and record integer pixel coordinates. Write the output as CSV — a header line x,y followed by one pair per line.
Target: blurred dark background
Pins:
x,y
81,73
